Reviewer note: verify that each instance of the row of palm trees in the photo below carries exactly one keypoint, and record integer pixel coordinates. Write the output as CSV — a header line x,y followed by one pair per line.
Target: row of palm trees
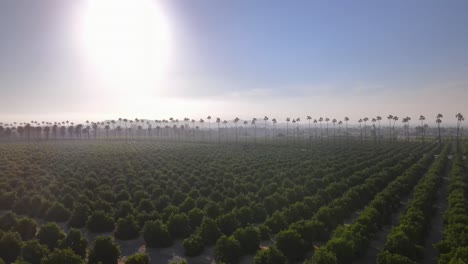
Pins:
x,y
191,129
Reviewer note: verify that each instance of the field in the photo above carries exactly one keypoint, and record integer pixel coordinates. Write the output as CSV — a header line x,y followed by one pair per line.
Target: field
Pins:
x,y
232,203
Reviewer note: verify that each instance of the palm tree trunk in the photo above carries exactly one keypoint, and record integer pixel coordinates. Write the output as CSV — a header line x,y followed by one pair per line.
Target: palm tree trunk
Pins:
x,y
440,141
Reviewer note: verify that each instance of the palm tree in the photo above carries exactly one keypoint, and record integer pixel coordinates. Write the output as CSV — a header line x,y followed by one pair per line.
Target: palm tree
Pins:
x,y
265,119
287,127
339,130
297,127
408,119
218,120
274,129
460,119
186,120
422,118
254,124
321,131
378,120
365,127
225,128
438,121
202,125
235,122
346,119
126,130
360,127
294,123
373,125
209,125
334,125
315,125
245,128
406,127
308,119
390,118
326,120
395,118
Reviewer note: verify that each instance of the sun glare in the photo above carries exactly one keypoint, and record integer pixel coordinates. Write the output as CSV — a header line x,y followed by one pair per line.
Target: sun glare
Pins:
x,y
127,42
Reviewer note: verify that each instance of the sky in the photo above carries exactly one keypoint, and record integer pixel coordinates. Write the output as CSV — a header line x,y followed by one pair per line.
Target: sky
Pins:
x,y
76,60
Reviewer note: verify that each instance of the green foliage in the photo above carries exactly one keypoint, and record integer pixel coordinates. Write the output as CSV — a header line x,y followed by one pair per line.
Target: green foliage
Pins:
x,y
79,217
227,250
139,258
209,231
49,235
10,246
8,221
227,223
32,251
291,244
100,222
156,235
323,256
57,213
76,242
26,227
104,250
60,256
6,200
193,245
195,216
249,239
126,228
179,225
270,255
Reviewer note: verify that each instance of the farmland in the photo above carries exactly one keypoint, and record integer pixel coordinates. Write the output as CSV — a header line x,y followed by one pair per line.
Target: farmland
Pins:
x,y
110,201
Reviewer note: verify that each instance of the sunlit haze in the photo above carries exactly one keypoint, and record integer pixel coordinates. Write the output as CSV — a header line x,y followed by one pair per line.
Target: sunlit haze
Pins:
x,y
104,59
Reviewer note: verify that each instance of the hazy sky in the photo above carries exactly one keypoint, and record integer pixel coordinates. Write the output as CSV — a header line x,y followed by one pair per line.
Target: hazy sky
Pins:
x,y
246,58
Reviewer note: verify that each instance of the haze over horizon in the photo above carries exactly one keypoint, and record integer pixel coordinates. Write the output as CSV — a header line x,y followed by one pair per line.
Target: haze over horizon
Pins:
x,y
154,59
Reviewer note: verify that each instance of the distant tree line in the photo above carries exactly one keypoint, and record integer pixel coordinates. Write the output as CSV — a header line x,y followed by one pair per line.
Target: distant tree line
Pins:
x,y
191,130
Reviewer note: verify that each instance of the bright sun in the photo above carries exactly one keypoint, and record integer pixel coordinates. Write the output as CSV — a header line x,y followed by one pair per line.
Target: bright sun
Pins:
x,y
127,41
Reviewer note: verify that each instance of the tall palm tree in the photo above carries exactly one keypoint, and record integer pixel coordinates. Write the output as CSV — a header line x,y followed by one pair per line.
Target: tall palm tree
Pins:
x,y
245,128
297,128
218,120
438,121
126,130
274,129
346,119
294,124
365,127
390,118
408,119
308,119
326,120
225,129
321,131
395,118
202,125
287,127
254,124
235,122
460,119
339,130
209,125
265,119
334,125
422,118
360,127
405,127
373,125
315,127
379,118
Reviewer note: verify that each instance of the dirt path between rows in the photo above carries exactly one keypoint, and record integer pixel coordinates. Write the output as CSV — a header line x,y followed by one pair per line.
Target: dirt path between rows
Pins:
x,y
377,243
437,224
